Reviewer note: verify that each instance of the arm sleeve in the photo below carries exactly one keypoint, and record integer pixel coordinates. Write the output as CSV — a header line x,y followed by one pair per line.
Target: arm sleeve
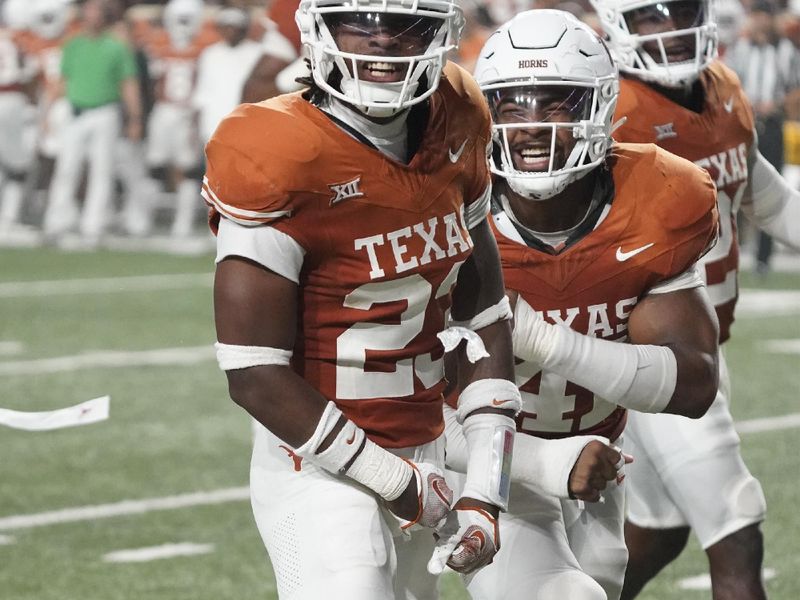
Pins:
x,y
542,465
771,204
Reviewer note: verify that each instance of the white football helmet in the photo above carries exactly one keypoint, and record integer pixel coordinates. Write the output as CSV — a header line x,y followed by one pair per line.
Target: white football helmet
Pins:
x,y
182,20
403,42
689,24
548,78
50,18
16,14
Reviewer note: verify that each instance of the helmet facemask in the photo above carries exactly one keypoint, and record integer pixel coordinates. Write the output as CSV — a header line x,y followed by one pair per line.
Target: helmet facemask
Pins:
x,y
669,43
381,57
549,134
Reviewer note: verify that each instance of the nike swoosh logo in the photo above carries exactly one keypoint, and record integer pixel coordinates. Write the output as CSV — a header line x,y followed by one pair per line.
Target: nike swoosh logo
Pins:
x,y
729,104
454,156
623,256
497,402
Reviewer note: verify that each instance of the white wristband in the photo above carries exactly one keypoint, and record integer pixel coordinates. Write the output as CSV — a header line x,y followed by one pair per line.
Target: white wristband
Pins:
x,y
490,440
341,450
231,357
489,393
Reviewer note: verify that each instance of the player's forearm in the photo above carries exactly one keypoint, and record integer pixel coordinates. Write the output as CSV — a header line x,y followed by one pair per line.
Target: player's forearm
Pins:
x,y
499,364
290,408
772,204
697,381
279,399
543,465
644,377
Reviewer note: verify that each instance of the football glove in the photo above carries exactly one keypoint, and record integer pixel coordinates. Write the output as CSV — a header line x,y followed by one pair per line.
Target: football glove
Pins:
x,y
435,497
467,541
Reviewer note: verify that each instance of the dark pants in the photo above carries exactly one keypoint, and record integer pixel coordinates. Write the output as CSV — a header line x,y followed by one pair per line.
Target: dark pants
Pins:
x,y
770,144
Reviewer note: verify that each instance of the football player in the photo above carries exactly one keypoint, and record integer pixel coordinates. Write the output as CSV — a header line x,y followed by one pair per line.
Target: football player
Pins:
x,y
172,137
16,115
50,22
345,215
675,94
598,243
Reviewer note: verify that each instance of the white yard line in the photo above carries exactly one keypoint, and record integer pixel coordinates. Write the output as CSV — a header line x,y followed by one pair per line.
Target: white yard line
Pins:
x,y
109,358
10,347
767,303
769,424
703,582
158,552
788,346
126,507
240,494
105,285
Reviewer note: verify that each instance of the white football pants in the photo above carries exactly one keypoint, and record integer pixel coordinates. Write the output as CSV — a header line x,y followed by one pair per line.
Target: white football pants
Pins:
x,y
91,136
329,537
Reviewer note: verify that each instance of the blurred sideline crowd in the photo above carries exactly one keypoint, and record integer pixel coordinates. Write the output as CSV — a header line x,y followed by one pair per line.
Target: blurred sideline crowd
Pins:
x,y
105,105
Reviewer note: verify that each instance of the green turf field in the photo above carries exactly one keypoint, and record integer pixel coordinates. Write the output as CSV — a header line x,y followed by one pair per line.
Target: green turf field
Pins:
x,y
173,431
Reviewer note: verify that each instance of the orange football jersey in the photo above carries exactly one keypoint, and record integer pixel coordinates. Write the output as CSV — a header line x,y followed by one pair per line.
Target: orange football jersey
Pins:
x,y
48,53
15,64
661,220
383,243
175,70
717,139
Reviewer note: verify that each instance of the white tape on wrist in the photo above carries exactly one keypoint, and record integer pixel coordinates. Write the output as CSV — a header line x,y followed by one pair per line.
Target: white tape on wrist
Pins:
x,y
490,440
378,469
545,465
231,357
489,393
327,422
381,471
452,336
501,311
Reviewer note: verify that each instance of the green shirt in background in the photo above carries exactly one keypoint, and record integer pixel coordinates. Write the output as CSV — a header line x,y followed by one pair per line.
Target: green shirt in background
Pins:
x,y
94,69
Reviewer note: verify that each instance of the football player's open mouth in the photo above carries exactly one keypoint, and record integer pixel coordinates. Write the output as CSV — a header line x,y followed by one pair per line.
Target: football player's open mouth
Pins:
x,y
678,52
382,72
533,157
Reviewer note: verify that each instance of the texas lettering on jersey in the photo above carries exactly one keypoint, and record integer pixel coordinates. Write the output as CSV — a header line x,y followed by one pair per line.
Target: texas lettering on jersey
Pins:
x,y
383,244
661,221
718,139
451,242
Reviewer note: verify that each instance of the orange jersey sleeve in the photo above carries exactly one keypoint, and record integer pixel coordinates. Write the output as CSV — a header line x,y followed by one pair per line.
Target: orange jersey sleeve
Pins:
x,y
253,162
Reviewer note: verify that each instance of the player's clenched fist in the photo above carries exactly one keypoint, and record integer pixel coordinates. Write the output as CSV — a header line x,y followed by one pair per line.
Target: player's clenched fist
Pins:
x,y
426,501
597,464
467,541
